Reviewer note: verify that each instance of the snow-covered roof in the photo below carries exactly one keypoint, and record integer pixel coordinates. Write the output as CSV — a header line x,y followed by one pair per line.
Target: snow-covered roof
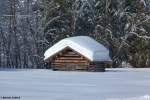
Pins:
x,y
84,45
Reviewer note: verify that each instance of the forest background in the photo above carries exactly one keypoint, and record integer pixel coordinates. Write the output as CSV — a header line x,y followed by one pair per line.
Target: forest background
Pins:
x,y
29,27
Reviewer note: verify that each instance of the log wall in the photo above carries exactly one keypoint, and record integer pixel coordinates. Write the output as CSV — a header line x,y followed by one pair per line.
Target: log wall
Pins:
x,y
71,60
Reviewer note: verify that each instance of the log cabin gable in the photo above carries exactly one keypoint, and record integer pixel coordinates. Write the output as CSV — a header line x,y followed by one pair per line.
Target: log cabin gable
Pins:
x,y
69,59
70,53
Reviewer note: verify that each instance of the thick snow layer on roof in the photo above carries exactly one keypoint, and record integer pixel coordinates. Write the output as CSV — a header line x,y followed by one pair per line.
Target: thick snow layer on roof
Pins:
x,y
85,45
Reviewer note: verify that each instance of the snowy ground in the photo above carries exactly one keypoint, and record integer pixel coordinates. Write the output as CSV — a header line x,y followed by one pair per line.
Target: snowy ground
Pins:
x,y
115,84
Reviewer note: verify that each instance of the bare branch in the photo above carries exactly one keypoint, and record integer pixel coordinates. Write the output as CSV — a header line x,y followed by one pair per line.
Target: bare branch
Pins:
x,y
144,37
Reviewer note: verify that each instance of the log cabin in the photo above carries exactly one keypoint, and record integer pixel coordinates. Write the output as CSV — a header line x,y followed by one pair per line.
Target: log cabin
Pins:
x,y
80,53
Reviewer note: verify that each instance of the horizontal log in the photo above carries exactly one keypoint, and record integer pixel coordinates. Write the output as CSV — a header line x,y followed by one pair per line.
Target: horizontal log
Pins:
x,y
70,67
69,58
70,55
73,53
71,61
72,64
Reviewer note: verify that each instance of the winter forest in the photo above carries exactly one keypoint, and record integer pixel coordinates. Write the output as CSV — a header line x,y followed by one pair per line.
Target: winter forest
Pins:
x,y
29,27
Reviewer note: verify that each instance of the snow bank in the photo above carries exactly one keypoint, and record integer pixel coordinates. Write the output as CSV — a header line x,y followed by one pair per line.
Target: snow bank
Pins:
x,y
145,97
114,84
82,44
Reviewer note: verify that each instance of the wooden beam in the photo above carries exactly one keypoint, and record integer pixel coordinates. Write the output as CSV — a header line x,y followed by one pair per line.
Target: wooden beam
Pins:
x,y
71,61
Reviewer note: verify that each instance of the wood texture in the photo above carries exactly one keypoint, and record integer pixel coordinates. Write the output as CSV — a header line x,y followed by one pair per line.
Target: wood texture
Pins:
x,y
70,60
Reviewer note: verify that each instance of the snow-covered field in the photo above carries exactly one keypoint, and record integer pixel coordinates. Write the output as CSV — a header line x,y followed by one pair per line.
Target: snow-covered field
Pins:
x,y
42,84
